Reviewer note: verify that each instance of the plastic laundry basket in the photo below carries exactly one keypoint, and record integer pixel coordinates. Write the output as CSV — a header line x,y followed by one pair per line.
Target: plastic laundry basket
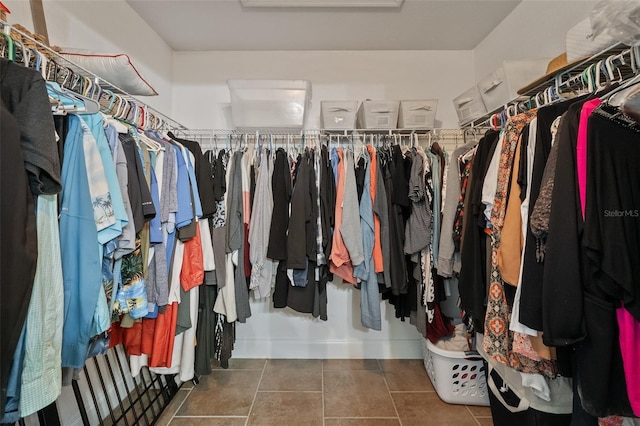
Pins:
x,y
458,377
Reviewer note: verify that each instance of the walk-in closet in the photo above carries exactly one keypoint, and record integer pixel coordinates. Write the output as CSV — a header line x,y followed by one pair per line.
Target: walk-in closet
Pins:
x,y
320,212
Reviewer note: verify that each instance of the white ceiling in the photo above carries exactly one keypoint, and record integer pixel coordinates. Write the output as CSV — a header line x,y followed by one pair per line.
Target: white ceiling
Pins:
x,y
204,25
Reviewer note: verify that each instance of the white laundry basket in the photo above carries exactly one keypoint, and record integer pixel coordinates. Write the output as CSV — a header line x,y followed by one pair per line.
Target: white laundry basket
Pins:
x,y
458,377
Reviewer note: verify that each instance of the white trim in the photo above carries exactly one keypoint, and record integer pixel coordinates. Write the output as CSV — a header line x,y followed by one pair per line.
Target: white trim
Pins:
x,y
328,349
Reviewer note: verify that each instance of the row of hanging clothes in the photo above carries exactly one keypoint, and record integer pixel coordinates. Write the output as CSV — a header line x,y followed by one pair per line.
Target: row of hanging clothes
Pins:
x,y
293,216
548,252
101,208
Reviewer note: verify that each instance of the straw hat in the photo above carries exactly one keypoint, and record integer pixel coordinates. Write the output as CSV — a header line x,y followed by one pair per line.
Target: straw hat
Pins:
x,y
556,65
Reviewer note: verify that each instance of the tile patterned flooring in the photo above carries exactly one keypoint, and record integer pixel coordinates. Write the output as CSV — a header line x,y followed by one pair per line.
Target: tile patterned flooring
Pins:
x,y
331,392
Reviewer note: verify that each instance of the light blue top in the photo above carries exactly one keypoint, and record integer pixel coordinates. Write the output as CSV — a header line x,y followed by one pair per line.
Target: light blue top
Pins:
x,y
81,262
184,216
193,182
96,124
370,311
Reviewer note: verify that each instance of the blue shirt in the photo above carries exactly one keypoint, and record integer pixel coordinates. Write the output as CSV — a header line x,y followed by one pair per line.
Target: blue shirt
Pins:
x,y
334,164
155,226
370,311
184,216
193,182
81,261
96,124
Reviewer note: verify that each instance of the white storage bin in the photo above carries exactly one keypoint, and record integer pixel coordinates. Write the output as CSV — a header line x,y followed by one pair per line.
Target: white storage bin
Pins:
x,y
501,86
269,103
469,106
580,42
338,115
417,114
378,114
458,377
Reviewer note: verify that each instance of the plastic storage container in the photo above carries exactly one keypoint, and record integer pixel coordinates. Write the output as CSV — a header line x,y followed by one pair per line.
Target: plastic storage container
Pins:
x,y
338,115
458,377
469,106
501,86
420,114
269,103
378,114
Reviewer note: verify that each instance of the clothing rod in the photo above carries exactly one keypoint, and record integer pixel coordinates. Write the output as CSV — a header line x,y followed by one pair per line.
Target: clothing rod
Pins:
x,y
101,82
323,132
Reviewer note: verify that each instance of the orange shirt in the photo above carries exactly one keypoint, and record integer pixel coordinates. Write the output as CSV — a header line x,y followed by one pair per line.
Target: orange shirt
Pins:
x,y
340,261
378,264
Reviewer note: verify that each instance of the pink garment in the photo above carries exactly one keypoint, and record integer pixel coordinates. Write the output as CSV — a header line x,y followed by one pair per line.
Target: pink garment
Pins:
x,y
581,149
630,348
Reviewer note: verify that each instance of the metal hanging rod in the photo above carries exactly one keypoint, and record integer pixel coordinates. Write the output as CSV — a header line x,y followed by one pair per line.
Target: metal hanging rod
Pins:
x,y
105,88
322,132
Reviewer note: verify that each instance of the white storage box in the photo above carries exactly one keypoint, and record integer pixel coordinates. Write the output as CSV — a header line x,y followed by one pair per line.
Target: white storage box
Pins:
x,y
269,103
501,86
338,115
417,114
469,106
378,114
458,377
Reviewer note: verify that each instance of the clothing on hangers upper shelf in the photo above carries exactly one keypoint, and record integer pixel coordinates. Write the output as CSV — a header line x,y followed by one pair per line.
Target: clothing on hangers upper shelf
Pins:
x,y
617,63
17,45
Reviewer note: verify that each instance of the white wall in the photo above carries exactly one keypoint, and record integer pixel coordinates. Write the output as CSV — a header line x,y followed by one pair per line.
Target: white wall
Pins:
x,y
201,97
106,26
535,29
201,100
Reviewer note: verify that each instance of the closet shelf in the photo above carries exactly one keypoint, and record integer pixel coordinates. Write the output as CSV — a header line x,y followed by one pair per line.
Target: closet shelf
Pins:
x,y
565,78
105,85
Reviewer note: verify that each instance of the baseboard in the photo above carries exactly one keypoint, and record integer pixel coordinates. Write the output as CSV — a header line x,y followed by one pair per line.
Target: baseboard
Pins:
x,y
325,349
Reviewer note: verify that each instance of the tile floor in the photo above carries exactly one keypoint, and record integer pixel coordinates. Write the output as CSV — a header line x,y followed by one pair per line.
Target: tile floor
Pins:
x,y
332,392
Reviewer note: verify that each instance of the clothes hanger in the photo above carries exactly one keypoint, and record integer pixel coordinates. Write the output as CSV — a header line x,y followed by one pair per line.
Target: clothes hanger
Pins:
x,y
8,47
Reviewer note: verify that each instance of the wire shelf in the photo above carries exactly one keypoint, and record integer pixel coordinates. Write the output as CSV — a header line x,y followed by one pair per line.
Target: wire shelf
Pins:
x,y
104,86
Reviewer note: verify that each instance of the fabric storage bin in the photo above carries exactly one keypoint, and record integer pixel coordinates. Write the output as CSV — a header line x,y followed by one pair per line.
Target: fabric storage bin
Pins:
x,y
458,377
269,103
419,114
501,86
338,115
469,106
378,114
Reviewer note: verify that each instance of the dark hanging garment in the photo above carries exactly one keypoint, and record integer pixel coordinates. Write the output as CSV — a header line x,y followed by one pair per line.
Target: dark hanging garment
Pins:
x,y
472,282
281,184
24,94
18,244
312,224
297,237
219,177
532,271
398,267
560,291
139,194
301,299
361,172
400,195
204,180
522,170
327,201
611,241
283,284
